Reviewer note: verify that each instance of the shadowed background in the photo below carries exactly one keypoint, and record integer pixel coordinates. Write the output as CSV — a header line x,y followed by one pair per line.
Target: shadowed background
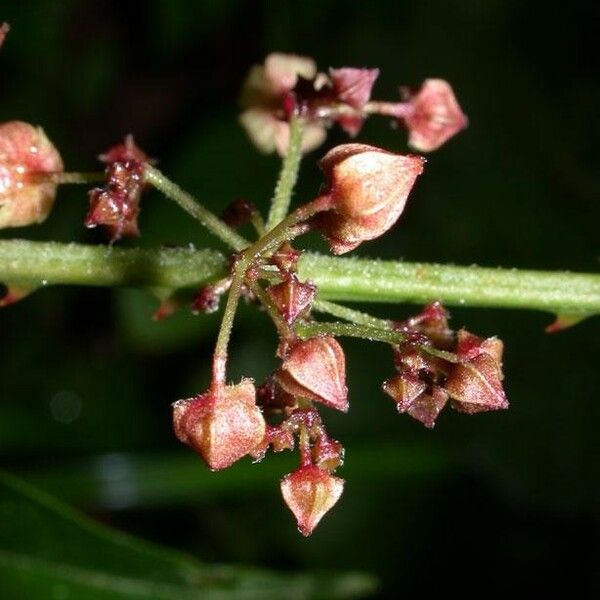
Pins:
x,y
502,500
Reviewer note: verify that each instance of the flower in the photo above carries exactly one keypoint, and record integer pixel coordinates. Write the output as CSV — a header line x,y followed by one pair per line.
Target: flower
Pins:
x,y
310,493
292,298
263,96
475,383
369,188
4,29
26,153
222,425
435,116
117,205
316,369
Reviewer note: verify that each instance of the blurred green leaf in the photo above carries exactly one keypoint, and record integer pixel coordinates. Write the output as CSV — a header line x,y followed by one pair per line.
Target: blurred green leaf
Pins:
x,y
127,480
48,550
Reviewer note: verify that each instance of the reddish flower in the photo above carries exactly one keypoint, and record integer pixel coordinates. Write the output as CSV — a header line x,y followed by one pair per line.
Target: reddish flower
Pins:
x,y
292,298
263,96
352,87
435,117
117,205
316,369
4,29
327,454
475,384
369,187
221,426
310,493
26,153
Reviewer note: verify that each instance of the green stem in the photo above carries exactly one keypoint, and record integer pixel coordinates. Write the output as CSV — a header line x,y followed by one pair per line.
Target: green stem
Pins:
x,y
343,279
62,178
265,300
367,280
287,176
172,191
273,238
365,332
349,314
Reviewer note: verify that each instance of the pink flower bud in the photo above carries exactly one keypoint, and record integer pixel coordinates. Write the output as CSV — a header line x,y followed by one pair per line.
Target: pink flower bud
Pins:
x,y
369,187
221,426
309,493
475,385
4,29
25,152
316,369
435,116
292,298
353,86
327,454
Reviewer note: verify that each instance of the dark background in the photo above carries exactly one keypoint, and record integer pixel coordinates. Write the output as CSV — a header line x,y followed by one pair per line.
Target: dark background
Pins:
x,y
502,501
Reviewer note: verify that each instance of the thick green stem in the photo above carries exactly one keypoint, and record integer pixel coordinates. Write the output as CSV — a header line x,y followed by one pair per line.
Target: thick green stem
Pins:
x,y
346,279
172,191
357,280
288,175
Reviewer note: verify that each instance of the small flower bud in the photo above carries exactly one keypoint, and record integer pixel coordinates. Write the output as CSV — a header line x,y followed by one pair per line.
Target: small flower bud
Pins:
x,y
117,205
310,493
427,407
286,259
327,454
404,389
4,29
353,86
475,385
435,116
25,152
316,369
222,426
369,187
292,298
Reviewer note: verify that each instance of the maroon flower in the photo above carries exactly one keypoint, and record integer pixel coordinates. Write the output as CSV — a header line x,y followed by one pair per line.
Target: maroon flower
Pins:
x,y
117,205
292,298
475,384
316,369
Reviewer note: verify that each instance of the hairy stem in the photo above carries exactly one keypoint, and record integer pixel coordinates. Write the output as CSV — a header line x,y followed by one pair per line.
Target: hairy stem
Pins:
x,y
287,176
343,279
368,280
365,332
172,191
285,230
62,178
349,314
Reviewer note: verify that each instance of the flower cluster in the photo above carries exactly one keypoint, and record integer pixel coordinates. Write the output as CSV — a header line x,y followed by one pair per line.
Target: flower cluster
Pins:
x,y
364,194
288,85
435,365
